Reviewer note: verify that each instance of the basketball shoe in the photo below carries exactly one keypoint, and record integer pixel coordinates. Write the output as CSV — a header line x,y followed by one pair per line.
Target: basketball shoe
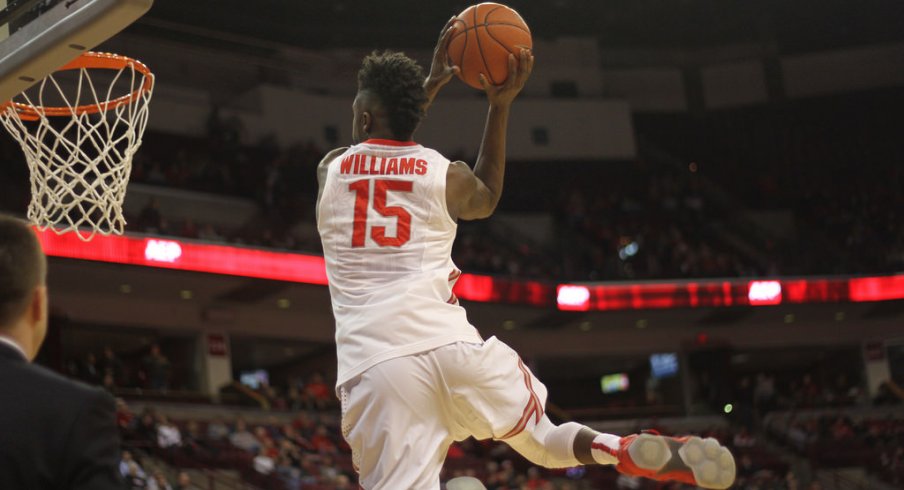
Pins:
x,y
690,459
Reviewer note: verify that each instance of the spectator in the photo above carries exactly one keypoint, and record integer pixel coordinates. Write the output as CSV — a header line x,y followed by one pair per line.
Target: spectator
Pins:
x,y
125,419
159,482
91,373
112,366
193,442
156,369
108,383
147,426
210,234
263,437
318,391
189,229
168,434
743,439
243,439
134,481
263,463
150,220
217,430
886,395
183,482
289,474
293,398
322,441
126,463
534,480
342,483
791,481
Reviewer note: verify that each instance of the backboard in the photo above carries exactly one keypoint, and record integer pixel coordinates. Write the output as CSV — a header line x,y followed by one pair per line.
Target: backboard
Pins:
x,y
39,36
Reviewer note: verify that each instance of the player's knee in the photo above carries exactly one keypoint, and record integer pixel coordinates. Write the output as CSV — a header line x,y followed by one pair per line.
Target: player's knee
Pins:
x,y
548,445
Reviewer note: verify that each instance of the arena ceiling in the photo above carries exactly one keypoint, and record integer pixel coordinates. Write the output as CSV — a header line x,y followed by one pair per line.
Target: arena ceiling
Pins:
x,y
792,26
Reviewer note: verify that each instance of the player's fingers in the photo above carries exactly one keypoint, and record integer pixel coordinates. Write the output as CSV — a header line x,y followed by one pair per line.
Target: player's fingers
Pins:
x,y
512,71
484,83
516,76
447,27
525,65
445,35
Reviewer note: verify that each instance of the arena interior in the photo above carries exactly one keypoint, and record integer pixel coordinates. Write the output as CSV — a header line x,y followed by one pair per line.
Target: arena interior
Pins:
x,y
702,232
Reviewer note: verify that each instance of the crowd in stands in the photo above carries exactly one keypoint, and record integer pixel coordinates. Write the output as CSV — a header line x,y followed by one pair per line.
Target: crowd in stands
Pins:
x,y
845,439
304,452
148,369
833,162
294,441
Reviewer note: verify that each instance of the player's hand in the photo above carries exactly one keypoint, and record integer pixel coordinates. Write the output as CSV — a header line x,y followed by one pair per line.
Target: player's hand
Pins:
x,y
518,72
441,69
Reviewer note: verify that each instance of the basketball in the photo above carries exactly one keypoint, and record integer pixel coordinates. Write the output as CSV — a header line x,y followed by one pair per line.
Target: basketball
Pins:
x,y
484,36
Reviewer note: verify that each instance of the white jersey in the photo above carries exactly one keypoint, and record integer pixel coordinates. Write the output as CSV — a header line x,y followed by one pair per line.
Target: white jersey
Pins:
x,y
387,240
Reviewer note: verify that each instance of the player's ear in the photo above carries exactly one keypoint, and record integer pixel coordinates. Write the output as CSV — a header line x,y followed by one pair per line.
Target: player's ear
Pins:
x,y
366,122
37,318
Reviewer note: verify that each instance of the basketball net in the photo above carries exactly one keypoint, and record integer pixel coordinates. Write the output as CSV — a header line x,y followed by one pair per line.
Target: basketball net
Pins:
x,y
80,152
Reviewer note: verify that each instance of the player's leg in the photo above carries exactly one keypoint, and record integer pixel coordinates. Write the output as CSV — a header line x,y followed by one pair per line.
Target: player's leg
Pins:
x,y
497,396
692,460
394,423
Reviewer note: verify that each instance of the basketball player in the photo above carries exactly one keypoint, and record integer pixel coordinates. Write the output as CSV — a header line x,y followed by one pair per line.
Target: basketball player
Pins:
x,y
414,375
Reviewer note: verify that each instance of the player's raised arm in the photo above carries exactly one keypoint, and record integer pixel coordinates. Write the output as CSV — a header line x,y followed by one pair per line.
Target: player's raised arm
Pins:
x,y
474,195
441,70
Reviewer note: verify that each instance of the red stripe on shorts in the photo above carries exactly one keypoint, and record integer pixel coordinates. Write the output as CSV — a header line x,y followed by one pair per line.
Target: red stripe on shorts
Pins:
x,y
533,409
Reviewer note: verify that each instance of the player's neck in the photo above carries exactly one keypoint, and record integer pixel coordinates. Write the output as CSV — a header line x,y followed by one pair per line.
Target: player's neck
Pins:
x,y
385,135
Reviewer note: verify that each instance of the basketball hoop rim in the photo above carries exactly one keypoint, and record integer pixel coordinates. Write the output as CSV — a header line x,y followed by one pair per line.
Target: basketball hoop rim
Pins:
x,y
89,60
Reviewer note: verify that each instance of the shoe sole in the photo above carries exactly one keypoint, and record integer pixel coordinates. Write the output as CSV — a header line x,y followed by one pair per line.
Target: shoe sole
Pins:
x,y
712,464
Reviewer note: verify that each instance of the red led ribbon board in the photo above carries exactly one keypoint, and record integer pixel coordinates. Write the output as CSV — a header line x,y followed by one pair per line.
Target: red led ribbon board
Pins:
x,y
247,262
309,269
720,293
186,256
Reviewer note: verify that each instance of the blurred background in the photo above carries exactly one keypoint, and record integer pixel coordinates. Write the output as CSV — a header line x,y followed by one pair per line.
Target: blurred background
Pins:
x,y
719,184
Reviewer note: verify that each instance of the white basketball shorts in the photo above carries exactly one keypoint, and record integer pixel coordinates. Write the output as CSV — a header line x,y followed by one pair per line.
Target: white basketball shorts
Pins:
x,y
400,416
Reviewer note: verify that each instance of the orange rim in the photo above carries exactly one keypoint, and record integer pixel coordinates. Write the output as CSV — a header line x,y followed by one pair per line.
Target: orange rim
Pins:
x,y
92,60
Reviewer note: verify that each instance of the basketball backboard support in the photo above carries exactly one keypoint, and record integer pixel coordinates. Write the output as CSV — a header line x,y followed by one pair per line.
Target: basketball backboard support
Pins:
x,y
39,36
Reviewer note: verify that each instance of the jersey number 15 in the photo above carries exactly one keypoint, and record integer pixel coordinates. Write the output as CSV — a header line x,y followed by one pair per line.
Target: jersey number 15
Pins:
x,y
362,189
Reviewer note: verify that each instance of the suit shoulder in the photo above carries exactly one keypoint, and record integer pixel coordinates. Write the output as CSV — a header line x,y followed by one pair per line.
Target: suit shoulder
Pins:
x,y
66,389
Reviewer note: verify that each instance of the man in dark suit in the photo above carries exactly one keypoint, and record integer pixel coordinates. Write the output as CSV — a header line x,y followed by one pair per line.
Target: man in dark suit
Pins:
x,y
54,433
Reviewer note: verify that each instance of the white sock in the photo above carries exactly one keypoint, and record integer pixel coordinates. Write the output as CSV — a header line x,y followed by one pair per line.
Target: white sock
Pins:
x,y
601,455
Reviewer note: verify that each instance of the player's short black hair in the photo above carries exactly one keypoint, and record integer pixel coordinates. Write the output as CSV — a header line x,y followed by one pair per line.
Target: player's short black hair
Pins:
x,y
22,268
398,82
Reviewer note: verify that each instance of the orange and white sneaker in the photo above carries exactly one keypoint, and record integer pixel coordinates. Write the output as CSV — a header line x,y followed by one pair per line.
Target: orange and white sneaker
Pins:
x,y
690,459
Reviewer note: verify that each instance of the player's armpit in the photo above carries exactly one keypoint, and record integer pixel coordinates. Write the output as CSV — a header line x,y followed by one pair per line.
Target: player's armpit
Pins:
x,y
467,197
325,162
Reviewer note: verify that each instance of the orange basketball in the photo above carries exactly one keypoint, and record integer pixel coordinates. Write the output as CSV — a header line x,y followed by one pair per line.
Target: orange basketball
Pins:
x,y
483,37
